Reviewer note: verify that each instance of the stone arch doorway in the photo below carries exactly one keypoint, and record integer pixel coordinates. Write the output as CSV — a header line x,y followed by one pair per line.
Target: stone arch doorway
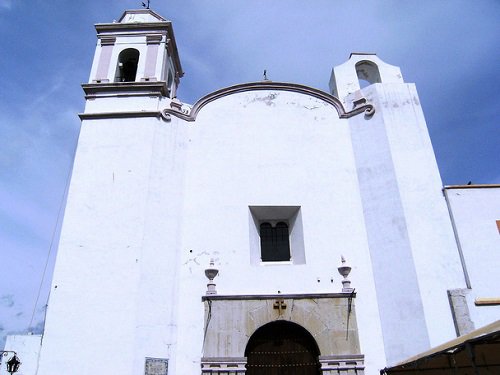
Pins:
x,y
282,348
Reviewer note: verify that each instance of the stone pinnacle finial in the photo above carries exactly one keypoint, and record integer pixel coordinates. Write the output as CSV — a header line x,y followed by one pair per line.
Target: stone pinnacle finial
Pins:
x,y
211,273
344,270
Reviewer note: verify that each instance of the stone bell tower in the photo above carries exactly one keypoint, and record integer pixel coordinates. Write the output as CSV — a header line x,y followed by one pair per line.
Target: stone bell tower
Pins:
x,y
115,271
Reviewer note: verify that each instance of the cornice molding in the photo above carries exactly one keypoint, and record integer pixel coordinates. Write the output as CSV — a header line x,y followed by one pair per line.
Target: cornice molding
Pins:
x,y
214,297
159,88
107,115
475,186
106,89
360,105
107,40
154,38
142,26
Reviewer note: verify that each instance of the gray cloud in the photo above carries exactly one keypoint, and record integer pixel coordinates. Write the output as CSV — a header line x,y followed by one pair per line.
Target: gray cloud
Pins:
x,y
5,4
7,300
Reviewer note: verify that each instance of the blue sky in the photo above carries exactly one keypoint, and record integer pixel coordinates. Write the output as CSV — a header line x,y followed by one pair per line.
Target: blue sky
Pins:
x,y
450,49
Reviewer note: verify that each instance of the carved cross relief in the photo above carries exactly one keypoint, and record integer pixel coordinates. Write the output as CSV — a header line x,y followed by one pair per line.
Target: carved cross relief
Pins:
x,y
279,305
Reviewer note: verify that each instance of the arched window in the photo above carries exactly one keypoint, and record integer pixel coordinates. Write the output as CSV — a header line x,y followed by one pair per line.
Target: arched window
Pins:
x,y
282,347
126,68
274,242
170,79
368,73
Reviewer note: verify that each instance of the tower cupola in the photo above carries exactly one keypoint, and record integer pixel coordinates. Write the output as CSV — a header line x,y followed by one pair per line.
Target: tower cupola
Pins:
x,y
137,51
361,70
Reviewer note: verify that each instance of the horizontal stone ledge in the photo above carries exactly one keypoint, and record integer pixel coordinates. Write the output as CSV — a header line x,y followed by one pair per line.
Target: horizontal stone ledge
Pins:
x,y
218,297
107,115
104,87
472,186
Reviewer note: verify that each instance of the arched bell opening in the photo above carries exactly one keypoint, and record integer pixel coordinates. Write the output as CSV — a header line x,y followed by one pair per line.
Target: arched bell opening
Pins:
x,y
126,69
282,348
368,73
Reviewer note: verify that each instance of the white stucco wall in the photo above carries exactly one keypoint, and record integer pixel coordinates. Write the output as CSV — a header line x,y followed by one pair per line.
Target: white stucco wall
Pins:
x,y
276,149
420,213
116,270
429,228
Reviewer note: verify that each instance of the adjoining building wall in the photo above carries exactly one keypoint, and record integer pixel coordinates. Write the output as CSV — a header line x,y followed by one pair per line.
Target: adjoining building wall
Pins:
x,y
475,210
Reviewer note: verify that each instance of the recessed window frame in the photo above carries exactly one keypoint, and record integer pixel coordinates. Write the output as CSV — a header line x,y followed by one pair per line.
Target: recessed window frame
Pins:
x,y
292,216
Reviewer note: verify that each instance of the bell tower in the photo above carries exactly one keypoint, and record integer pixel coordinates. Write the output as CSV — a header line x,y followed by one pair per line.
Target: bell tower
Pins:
x,y
135,55
117,256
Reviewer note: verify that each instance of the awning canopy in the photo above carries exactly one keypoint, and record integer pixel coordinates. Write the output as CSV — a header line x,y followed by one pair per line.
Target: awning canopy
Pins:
x,y
477,353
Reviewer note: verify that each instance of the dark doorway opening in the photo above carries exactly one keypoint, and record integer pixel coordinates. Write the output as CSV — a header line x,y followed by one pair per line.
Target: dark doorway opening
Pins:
x,y
282,348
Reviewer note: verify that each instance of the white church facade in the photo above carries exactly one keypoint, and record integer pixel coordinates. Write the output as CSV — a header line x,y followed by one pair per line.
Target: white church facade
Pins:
x,y
258,190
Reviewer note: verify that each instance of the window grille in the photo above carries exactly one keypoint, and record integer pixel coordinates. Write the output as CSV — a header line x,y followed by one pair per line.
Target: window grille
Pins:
x,y
274,242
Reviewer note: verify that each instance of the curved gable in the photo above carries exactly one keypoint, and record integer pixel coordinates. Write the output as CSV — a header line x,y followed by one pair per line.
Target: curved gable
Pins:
x,y
190,115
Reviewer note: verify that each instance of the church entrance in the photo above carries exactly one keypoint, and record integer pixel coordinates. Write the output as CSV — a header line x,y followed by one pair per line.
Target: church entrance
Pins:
x,y
282,348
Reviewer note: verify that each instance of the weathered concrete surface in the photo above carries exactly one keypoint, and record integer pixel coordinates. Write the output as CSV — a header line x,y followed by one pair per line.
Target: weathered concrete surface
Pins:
x,y
231,322
460,311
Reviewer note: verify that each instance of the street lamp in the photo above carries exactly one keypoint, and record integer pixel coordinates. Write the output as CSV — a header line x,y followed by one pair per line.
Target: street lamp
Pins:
x,y
13,363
